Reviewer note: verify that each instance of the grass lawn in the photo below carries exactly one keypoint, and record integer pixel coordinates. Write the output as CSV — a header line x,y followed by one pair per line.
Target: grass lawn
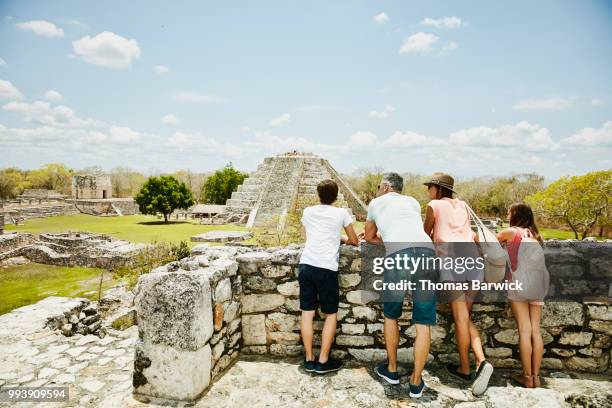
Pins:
x,y
22,285
133,228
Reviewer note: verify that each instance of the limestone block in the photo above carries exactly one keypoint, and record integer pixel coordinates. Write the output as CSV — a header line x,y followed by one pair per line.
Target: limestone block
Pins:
x,y
364,312
254,329
511,336
597,312
255,350
289,289
223,291
166,372
285,350
251,262
591,351
354,341
438,334
233,325
498,352
282,322
576,338
552,363
404,355
562,314
353,328
218,316
284,337
261,303
231,312
601,267
259,284
174,309
349,280
563,352
361,297
287,256
588,364
601,326
275,271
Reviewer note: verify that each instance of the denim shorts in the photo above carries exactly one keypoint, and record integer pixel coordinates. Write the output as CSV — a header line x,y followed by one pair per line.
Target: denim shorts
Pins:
x,y
423,301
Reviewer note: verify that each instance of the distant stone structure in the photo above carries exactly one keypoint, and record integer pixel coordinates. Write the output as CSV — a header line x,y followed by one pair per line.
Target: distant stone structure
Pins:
x,y
40,194
85,186
284,183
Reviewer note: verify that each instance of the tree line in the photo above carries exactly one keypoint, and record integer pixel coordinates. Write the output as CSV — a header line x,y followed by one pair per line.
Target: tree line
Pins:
x,y
580,203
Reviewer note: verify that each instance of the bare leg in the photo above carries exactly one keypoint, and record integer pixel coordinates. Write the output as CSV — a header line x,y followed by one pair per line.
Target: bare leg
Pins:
x,y
329,331
307,333
520,310
391,342
462,333
535,313
475,340
421,351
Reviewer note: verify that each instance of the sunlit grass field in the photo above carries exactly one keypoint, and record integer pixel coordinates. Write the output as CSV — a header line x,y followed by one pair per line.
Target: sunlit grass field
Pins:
x,y
133,228
22,285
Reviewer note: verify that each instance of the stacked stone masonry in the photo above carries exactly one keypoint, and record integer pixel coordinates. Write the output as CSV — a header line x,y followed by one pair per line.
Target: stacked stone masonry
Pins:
x,y
284,183
229,299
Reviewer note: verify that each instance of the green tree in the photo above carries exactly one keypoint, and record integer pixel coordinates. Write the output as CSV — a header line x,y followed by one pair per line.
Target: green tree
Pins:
x,y
219,187
12,182
579,201
52,176
365,183
163,194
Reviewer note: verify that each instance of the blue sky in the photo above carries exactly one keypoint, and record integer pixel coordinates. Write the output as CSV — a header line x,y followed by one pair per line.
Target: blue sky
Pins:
x,y
467,87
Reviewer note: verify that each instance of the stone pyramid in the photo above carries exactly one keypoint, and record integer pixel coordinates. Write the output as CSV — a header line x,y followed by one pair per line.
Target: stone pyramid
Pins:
x,y
285,183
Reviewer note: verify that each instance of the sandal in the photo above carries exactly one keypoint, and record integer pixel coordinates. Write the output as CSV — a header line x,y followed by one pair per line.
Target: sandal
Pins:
x,y
524,380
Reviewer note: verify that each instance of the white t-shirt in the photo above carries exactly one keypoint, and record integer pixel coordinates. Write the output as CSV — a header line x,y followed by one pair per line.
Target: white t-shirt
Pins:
x,y
398,219
323,224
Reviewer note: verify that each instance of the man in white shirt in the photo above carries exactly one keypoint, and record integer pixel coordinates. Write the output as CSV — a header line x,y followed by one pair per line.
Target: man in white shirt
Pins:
x,y
395,220
318,277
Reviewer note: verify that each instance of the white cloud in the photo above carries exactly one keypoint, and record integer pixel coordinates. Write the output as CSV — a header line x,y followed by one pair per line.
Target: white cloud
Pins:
x,y
2,63
543,104
9,91
245,129
381,17
419,43
107,49
44,114
41,27
161,69
170,119
594,102
123,134
363,139
591,137
53,96
385,113
523,135
197,97
447,23
446,50
410,139
281,120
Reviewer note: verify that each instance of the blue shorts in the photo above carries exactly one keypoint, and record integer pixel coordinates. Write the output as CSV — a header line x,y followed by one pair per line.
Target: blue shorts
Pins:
x,y
423,301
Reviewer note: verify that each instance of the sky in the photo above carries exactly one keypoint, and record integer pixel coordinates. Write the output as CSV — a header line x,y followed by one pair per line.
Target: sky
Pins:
x,y
472,88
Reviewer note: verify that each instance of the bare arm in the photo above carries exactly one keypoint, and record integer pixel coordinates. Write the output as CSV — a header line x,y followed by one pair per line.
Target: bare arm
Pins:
x,y
506,235
430,220
371,233
351,236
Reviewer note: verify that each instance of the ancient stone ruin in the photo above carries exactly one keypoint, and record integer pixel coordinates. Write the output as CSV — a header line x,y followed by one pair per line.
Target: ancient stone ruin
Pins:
x,y
69,249
281,184
197,315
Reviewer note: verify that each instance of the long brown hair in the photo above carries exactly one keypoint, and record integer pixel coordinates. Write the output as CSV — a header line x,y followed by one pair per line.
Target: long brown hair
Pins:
x,y
522,216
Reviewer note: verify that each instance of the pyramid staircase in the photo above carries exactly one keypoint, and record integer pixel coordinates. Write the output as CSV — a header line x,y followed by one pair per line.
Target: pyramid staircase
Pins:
x,y
287,183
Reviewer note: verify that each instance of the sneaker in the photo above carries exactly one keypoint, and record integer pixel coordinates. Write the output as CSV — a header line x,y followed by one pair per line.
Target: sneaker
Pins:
x,y
454,370
416,390
327,367
310,366
483,375
392,377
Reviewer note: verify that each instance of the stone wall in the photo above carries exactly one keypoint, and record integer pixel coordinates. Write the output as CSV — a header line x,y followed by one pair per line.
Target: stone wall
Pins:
x,y
196,315
189,324
578,335
1,224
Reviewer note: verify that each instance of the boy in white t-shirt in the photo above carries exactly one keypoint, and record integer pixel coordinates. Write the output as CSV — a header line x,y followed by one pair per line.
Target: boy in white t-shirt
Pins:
x,y
318,277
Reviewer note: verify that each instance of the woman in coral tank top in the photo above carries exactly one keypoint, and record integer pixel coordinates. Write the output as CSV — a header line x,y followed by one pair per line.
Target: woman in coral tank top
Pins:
x,y
447,222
